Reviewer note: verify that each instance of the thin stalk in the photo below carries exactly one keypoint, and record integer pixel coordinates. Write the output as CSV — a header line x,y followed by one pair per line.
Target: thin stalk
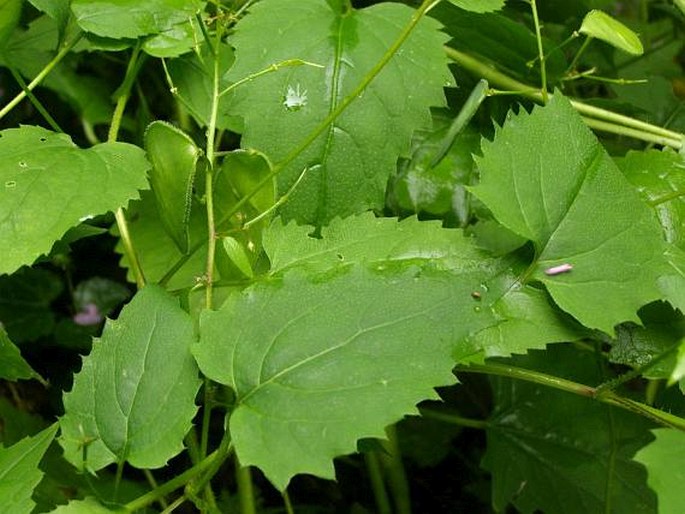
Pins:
x,y
541,52
395,473
454,419
287,503
122,224
36,103
270,69
380,494
245,489
117,480
643,130
177,503
465,115
153,483
580,52
622,130
608,397
41,75
213,461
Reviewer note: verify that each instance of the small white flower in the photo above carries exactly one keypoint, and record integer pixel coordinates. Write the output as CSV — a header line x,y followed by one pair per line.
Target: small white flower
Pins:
x,y
295,99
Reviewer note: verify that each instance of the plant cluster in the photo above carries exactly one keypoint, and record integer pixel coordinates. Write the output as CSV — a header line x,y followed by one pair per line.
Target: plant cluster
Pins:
x,y
308,237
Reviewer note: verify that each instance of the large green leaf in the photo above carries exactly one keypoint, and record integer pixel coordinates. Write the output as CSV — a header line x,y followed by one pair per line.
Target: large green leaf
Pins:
x,y
349,164
131,18
174,157
133,400
12,365
552,451
88,505
48,184
547,178
317,364
479,5
19,473
663,459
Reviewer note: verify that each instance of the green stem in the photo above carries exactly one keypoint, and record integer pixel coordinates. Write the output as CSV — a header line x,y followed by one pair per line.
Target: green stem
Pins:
x,y
41,75
380,494
467,112
541,52
621,130
288,504
36,103
608,397
212,462
580,52
395,473
122,224
643,130
153,483
245,489
454,419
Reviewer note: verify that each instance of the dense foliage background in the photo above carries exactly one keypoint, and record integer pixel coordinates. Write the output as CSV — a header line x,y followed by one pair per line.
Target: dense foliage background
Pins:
x,y
332,256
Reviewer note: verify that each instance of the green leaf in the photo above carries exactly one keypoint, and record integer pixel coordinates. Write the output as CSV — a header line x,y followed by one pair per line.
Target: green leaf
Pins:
x,y
551,451
88,505
44,176
663,459
236,252
58,10
240,173
547,178
10,11
157,252
12,366
174,41
600,25
317,365
527,319
678,371
681,5
174,157
192,74
19,473
479,5
134,396
660,329
370,240
659,178
25,299
131,18
347,171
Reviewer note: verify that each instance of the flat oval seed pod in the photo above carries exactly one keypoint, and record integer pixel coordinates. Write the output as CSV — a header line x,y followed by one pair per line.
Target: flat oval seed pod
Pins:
x,y
174,157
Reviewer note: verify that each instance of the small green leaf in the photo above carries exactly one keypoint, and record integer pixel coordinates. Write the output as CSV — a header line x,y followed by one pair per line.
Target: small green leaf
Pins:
x,y
174,157
546,446
547,178
139,379
131,18
681,5
10,10
236,253
44,176
600,25
240,173
12,365
175,41
347,172
479,6
679,369
19,473
663,459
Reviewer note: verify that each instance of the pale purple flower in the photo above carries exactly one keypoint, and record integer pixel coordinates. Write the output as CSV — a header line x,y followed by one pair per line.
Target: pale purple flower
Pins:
x,y
89,315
